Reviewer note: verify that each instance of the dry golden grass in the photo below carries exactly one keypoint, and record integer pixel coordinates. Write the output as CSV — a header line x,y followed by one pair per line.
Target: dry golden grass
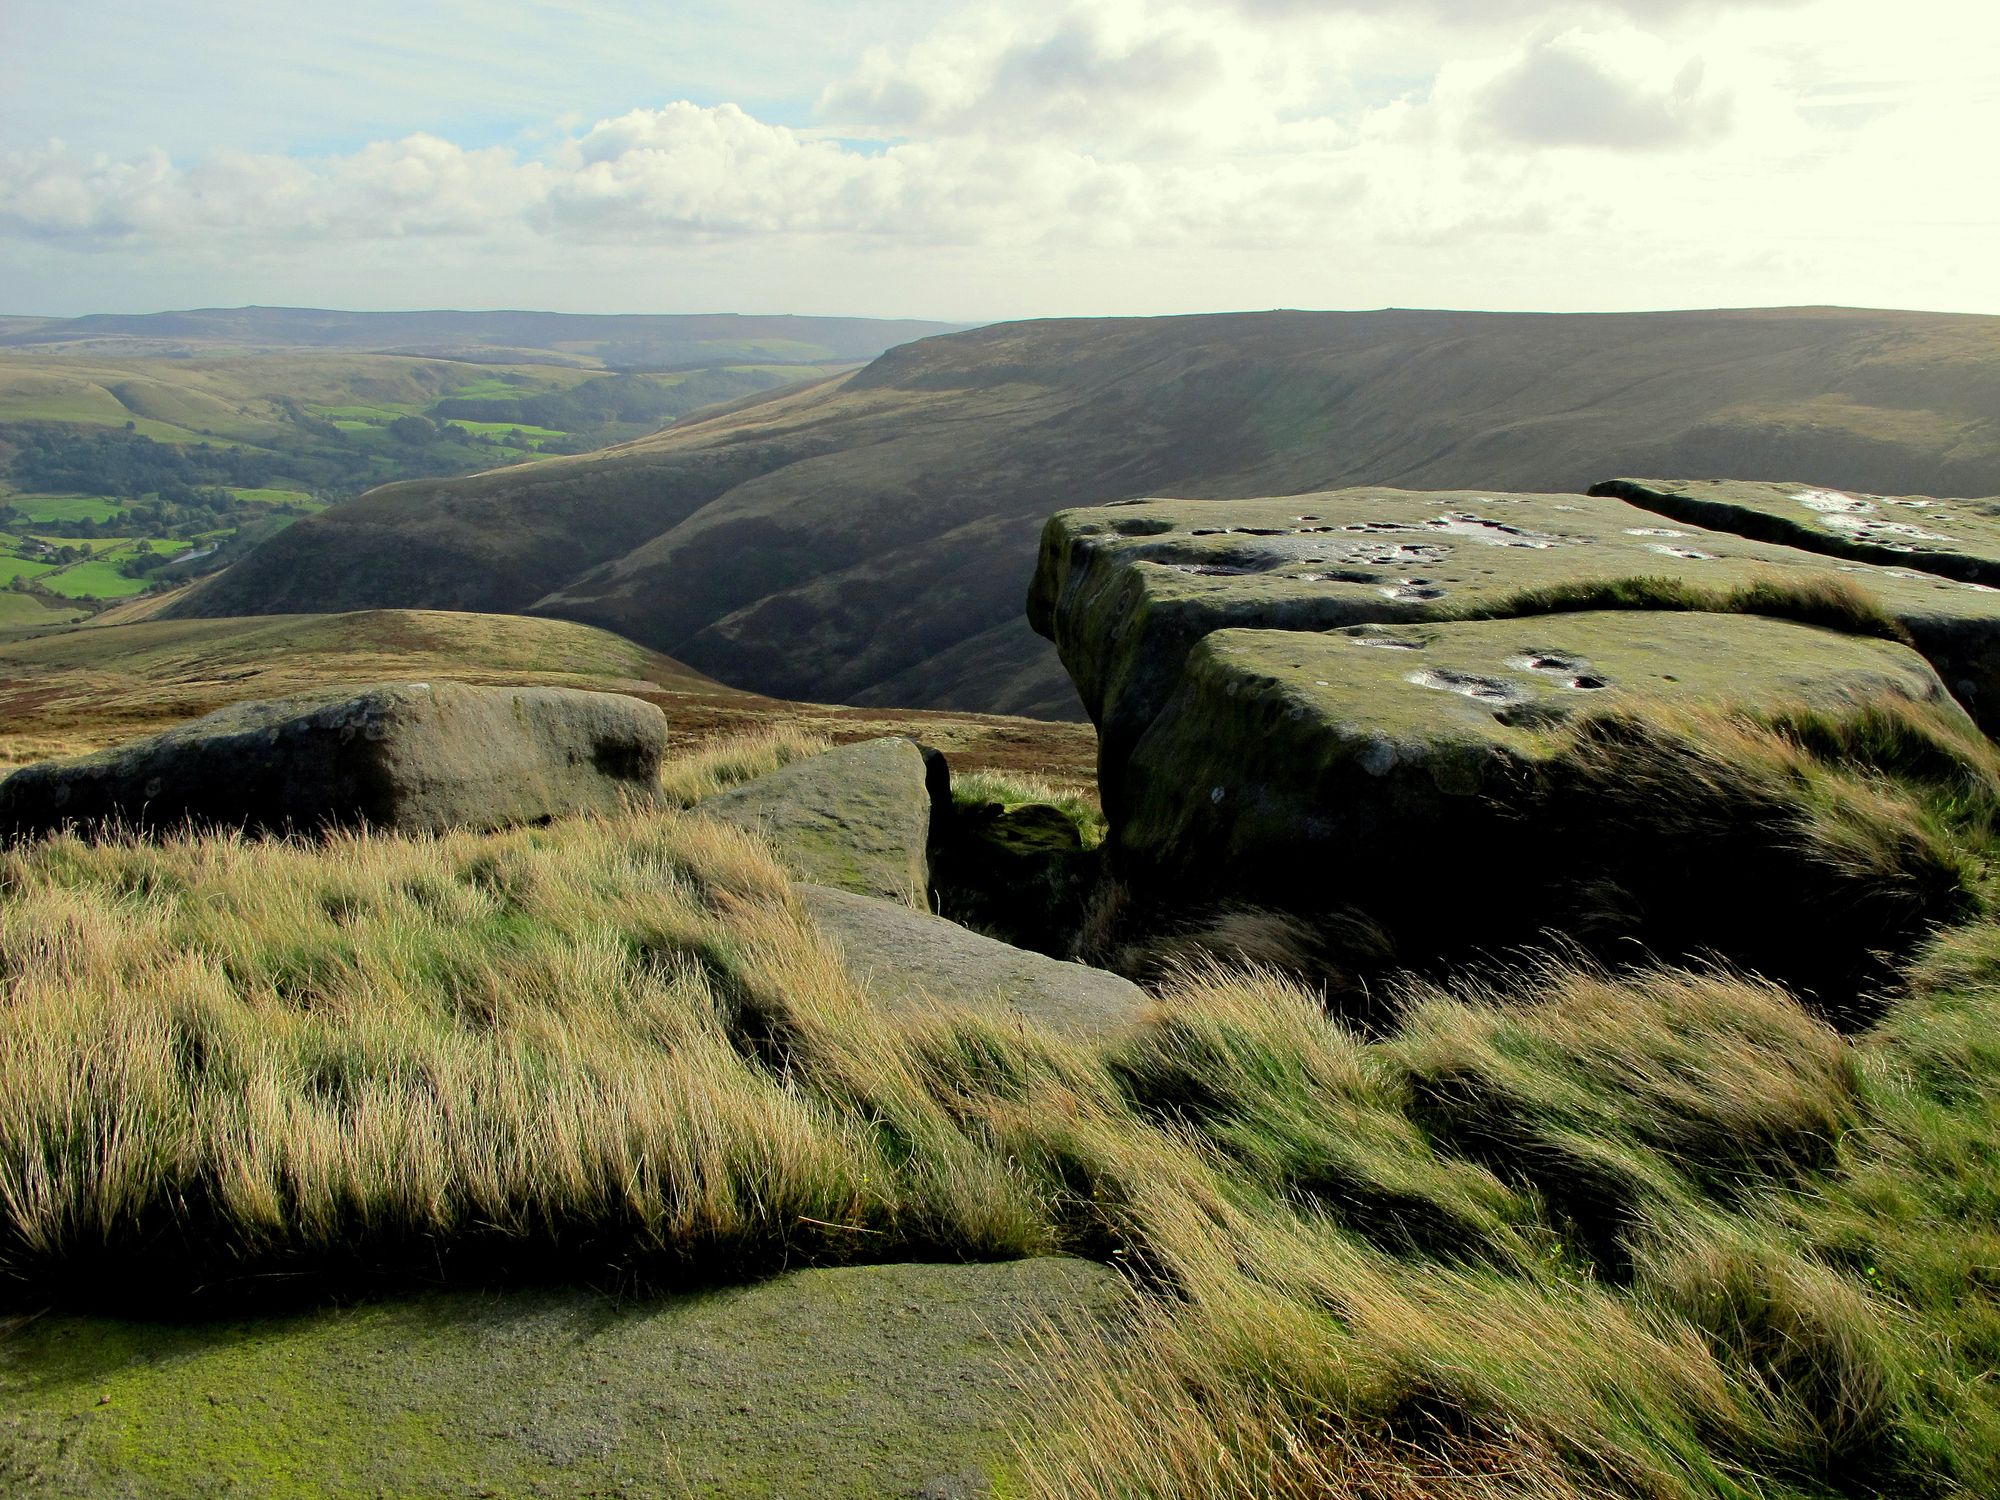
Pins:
x,y
1557,1236
729,760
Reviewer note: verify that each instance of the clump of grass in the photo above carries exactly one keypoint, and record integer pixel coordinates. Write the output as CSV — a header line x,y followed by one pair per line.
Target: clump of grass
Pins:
x,y
1611,1096
1800,841
1738,1349
731,760
1332,953
1826,599
226,1058
1307,1110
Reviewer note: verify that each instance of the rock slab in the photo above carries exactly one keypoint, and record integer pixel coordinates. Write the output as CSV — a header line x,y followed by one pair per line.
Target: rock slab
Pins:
x,y
406,757
918,964
1954,538
1126,590
1423,775
857,817
868,1382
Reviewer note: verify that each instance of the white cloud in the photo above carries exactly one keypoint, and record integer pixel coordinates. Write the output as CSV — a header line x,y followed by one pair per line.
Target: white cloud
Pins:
x,y
1095,154
1570,90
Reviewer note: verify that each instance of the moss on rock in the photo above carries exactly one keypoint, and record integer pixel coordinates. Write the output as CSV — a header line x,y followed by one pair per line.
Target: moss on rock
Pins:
x,y
898,1380
1126,591
1953,538
1476,785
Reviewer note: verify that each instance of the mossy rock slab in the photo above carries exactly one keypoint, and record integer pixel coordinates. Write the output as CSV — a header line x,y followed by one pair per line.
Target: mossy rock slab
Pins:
x,y
1126,590
857,817
1955,538
919,964
879,1381
410,757
1419,775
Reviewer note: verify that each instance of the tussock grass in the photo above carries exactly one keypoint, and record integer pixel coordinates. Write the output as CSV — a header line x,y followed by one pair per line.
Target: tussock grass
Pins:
x,y
733,759
1559,1233
1817,844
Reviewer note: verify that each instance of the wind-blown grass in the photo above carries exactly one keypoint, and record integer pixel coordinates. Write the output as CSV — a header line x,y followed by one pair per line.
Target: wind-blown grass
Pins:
x,y
733,759
1555,1234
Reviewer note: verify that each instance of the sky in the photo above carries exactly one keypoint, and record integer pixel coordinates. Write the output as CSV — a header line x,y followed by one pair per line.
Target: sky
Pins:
x,y
979,161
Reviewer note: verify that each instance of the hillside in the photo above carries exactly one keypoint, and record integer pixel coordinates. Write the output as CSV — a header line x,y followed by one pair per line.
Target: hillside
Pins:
x,y
869,539
626,340
110,682
119,470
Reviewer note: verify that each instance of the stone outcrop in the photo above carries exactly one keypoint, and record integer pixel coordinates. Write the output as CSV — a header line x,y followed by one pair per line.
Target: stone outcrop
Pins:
x,y
1955,538
857,817
1125,591
1439,726
914,963
1391,767
409,757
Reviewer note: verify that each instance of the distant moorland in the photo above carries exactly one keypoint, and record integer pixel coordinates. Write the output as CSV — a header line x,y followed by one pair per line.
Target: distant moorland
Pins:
x,y
869,539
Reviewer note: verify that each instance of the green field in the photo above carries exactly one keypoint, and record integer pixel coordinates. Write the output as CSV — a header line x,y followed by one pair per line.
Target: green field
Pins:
x,y
503,429
25,610
279,497
371,415
19,567
490,388
43,510
96,579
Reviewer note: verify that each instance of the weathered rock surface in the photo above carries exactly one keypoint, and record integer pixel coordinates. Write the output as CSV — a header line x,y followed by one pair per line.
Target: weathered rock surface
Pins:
x,y
1021,873
1126,590
857,817
1955,538
864,1382
412,757
1418,773
917,963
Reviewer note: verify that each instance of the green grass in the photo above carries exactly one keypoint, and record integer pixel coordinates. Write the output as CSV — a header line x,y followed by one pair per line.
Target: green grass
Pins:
x,y
269,496
19,610
1076,802
45,510
1829,600
93,580
504,429
16,567
490,388
366,414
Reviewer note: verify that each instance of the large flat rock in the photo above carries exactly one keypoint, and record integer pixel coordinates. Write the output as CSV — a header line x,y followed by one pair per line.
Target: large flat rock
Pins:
x,y
1126,590
863,1382
1417,774
413,757
1955,538
857,817
920,964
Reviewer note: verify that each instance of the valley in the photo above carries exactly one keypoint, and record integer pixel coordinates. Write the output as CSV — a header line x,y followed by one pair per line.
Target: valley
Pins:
x,y
152,450
869,539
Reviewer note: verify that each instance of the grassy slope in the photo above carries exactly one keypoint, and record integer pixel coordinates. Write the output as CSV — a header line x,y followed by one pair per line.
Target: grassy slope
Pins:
x,y
871,539
1667,1236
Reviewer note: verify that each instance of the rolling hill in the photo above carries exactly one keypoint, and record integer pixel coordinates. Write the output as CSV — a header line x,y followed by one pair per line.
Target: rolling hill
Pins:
x,y
868,538
615,341
130,674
